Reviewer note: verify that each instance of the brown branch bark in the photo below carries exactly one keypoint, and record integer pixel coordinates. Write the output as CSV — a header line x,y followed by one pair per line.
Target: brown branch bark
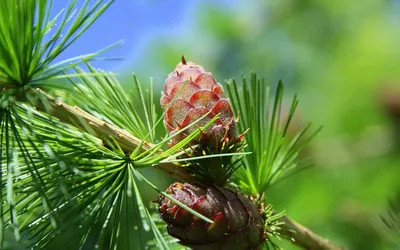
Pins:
x,y
304,237
299,235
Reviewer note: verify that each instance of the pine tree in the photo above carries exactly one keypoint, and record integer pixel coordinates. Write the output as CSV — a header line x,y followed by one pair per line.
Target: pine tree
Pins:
x,y
73,155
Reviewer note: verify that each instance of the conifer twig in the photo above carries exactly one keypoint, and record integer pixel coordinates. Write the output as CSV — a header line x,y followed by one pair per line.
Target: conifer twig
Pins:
x,y
304,237
300,235
104,131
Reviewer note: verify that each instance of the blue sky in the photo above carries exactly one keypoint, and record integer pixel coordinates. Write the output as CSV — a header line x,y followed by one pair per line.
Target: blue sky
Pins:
x,y
135,22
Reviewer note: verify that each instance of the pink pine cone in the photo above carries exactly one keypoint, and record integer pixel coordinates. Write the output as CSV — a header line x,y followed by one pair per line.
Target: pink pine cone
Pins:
x,y
189,93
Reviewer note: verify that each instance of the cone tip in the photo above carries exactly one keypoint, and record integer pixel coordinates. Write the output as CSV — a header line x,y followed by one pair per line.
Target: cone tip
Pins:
x,y
183,60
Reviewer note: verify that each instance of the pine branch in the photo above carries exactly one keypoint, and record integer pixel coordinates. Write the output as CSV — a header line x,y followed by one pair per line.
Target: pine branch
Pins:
x,y
298,234
103,130
304,237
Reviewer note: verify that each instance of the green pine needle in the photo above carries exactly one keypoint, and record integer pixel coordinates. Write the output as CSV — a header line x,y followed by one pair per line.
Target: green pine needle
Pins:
x,y
274,154
391,221
30,40
102,95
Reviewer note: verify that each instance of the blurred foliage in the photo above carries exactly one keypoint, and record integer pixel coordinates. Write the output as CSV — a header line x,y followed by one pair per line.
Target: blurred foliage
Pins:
x,y
340,57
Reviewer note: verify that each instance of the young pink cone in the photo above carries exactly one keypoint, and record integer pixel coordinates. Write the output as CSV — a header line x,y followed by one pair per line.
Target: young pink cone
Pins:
x,y
189,93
